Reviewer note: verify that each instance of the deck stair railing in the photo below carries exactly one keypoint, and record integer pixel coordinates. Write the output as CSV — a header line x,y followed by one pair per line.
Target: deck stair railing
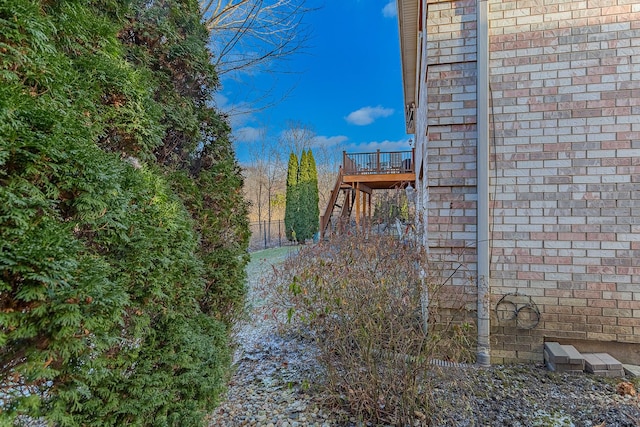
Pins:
x,y
342,210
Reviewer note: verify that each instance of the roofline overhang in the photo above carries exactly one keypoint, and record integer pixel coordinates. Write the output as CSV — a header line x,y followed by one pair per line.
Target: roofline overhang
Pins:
x,y
408,21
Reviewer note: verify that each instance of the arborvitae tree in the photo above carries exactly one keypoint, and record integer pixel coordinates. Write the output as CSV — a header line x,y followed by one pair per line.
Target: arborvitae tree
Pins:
x,y
196,147
302,212
308,191
314,197
292,206
304,179
123,227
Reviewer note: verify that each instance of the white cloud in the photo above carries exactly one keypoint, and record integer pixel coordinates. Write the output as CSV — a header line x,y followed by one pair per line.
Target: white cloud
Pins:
x,y
390,10
248,134
329,141
385,146
367,115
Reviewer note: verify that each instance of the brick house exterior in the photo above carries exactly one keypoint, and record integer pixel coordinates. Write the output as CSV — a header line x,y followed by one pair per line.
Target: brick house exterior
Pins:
x,y
529,111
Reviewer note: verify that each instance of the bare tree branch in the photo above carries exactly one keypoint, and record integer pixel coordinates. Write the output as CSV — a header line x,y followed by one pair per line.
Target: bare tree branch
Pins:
x,y
250,34
296,137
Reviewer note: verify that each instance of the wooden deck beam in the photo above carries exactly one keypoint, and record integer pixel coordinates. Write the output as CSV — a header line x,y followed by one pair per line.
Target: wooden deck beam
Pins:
x,y
381,181
360,186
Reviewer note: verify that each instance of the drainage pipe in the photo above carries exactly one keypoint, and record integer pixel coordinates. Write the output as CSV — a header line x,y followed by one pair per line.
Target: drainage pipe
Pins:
x,y
482,244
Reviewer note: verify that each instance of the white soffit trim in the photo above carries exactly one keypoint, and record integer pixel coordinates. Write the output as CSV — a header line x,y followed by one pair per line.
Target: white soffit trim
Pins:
x,y
408,20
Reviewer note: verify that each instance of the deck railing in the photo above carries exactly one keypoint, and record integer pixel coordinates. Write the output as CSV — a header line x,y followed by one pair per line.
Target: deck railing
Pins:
x,y
379,162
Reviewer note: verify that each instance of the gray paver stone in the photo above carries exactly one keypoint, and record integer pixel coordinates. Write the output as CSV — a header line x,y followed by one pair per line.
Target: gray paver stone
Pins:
x,y
556,353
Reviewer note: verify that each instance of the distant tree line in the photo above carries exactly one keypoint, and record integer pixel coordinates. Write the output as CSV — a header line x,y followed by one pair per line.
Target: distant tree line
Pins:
x,y
122,220
302,213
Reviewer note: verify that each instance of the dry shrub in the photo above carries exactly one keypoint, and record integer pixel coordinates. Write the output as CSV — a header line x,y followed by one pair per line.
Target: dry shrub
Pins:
x,y
366,303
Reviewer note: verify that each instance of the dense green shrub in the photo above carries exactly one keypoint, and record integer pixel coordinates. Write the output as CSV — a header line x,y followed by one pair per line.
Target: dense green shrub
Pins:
x,y
196,149
221,221
123,227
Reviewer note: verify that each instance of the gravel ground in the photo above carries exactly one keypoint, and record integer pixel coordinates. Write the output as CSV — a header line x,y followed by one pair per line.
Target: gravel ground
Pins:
x,y
273,386
273,373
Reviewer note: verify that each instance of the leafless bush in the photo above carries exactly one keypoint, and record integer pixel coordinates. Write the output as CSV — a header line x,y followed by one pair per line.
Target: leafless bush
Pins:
x,y
374,307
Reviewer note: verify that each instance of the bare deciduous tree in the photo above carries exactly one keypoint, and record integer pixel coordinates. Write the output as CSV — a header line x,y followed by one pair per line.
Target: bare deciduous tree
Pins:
x,y
296,137
264,177
246,34
328,160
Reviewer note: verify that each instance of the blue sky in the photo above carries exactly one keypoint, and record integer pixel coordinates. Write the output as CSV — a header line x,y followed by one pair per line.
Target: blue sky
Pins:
x,y
346,86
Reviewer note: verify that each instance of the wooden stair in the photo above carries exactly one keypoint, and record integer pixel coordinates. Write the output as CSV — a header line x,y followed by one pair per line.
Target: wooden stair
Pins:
x,y
339,206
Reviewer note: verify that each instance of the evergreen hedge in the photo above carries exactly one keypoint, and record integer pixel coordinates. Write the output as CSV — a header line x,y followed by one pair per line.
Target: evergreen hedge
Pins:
x,y
292,200
302,213
308,182
123,227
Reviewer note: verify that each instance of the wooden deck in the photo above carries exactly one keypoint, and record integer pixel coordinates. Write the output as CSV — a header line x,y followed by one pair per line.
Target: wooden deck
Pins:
x,y
361,174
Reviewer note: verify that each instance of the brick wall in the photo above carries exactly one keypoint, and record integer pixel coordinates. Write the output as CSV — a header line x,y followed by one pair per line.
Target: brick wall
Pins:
x,y
565,85
450,112
565,150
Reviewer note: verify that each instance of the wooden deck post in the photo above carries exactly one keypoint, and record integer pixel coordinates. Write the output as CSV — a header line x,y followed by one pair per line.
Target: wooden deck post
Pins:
x,y
357,206
370,213
364,211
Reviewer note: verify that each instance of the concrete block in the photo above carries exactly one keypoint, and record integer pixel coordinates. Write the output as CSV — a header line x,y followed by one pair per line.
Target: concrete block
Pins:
x,y
555,353
616,373
632,371
609,373
612,363
575,358
603,364
593,363
564,368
